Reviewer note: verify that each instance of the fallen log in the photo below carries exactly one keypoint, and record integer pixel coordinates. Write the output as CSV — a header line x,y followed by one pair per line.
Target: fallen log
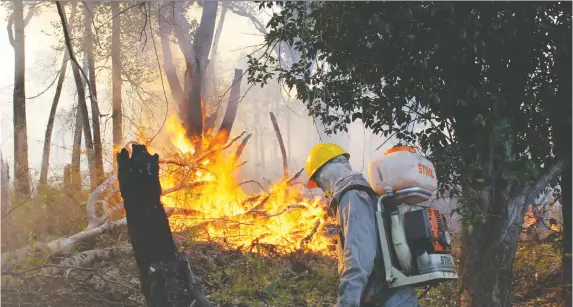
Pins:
x,y
93,219
57,246
87,258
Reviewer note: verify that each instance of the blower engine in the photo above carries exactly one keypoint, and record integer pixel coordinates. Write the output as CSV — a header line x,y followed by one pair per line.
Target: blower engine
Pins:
x,y
416,244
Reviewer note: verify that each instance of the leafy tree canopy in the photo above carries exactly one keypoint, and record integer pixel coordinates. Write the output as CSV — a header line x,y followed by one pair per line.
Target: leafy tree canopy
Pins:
x,y
487,80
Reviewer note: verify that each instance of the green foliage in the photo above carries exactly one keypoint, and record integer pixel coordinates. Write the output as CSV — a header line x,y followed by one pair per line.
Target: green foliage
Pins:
x,y
474,85
255,280
537,270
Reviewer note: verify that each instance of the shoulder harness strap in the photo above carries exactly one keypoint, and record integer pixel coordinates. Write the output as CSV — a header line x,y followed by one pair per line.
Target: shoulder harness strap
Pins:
x,y
335,202
382,295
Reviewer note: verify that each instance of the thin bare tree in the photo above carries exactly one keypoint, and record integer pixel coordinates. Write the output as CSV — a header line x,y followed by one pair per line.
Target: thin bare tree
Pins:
x,y
52,116
89,53
116,77
82,105
16,25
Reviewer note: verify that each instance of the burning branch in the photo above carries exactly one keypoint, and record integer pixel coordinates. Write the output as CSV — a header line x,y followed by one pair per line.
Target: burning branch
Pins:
x,y
288,208
241,147
308,238
281,144
212,150
253,181
295,177
238,166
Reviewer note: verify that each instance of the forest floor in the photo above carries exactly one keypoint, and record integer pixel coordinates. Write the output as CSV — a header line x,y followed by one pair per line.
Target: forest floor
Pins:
x,y
234,278
228,277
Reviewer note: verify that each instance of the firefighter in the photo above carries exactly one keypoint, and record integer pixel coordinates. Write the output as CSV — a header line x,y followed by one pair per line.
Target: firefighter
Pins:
x,y
353,202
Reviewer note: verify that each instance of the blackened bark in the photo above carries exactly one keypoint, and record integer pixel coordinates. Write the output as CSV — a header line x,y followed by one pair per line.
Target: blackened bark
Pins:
x,y
97,147
116,114
165,274
232,106
52,116
22,178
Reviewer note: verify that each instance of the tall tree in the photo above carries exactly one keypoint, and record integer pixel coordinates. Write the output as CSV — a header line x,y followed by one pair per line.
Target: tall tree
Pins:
x,y
79,78
116,76
75,165
53,109
484,107
16,37
5,201
232,106
562,130
210,76
89,53
189,96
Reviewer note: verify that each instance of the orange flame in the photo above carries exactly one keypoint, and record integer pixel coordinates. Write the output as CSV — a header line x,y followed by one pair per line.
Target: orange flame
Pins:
x,y
218,209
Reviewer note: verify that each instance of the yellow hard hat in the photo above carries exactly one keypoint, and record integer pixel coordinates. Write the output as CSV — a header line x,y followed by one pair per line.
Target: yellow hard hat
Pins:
x,y
318,156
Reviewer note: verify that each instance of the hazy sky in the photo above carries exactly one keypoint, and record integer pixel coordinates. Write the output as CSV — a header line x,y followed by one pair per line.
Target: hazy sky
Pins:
x,y
42,64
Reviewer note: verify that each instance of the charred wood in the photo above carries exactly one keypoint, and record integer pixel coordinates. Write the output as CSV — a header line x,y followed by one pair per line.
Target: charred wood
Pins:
x,y
165,274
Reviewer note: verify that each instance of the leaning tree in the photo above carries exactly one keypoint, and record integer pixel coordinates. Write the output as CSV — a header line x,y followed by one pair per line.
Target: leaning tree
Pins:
x,y
490,82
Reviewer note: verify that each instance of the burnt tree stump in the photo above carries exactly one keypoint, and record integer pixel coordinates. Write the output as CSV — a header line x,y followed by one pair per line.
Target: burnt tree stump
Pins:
x,y
166,277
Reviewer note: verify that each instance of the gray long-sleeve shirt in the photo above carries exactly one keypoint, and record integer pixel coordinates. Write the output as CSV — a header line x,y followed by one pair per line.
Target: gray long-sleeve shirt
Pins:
x,y
356,214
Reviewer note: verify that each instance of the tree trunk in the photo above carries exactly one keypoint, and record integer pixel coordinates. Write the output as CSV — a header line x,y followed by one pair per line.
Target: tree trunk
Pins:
x,y
52,116
566,205
165,275
281,145
89,53
168,66
561,128
211,76
4,186
81,94
67,177
21,171
486,264
289,143
116,77
75,167
5,198
232,106
192,111
486,267
85,121
196,62
259,139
